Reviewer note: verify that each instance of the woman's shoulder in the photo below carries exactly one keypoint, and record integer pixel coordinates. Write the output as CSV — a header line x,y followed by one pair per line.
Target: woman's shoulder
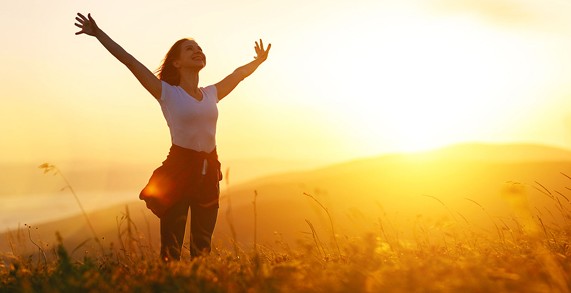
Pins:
x,y
211,91
168,85
168,90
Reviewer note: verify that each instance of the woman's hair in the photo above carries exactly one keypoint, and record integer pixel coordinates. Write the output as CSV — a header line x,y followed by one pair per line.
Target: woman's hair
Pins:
x,y
167,71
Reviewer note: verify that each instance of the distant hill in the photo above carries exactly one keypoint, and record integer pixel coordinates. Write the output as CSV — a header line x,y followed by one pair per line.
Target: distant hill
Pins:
x,y
476,184
501,153
404,186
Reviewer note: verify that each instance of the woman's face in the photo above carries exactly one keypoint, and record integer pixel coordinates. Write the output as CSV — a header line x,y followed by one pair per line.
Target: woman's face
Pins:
x,y
191,56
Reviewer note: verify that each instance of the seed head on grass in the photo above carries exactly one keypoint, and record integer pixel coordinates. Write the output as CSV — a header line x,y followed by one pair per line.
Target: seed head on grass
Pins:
x,y
48,168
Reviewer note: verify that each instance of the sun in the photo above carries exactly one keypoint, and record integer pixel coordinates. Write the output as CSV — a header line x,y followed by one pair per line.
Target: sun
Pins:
x,y
431,82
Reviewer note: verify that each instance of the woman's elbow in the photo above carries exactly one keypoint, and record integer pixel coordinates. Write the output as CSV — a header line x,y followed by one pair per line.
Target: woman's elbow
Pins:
x,y
240,74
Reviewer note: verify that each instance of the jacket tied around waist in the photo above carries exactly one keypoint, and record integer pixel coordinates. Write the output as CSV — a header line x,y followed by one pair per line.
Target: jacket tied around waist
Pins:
x,y
184,175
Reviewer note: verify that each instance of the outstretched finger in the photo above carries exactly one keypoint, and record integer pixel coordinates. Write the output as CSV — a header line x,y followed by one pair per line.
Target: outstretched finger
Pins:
x,y
81,27
79,20
261,45
82,17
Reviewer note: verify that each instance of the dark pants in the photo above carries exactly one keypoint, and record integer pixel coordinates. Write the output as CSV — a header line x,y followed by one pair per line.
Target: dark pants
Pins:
x,y
186,179
173,224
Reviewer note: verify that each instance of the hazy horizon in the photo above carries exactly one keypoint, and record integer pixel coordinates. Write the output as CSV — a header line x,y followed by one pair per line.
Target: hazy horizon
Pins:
x,y
99,188
482,173
240,170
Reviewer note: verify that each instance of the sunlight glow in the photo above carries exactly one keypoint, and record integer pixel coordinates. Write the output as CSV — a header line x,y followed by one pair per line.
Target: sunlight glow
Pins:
x,y
430,82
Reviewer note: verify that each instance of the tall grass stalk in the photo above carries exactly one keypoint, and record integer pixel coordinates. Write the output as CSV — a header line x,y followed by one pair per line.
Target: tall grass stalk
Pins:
x,y
330,222
229,212
56,171
255,223
316,240
498,230
129,232
40,250
443,204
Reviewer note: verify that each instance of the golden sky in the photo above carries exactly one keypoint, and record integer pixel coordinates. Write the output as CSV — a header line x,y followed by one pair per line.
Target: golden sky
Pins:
x,y
344,79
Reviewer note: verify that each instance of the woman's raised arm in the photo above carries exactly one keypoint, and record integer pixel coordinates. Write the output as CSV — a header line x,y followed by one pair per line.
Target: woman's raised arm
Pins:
x,y
225,86
142,73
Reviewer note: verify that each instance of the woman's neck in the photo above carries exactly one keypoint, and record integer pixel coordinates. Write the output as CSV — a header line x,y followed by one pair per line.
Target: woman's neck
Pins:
x,y
189,82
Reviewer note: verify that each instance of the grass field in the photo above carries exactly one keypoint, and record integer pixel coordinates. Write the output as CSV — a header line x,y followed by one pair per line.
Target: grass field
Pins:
x,y
527,252
521,255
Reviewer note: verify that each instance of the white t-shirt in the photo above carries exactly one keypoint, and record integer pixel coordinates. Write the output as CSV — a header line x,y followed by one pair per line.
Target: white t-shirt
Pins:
x,y
192,123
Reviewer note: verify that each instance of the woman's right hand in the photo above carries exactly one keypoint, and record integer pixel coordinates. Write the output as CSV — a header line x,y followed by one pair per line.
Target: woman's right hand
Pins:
x,y
142,73
87,25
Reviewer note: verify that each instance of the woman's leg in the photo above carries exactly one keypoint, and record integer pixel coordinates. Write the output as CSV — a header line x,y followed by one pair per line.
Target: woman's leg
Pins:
x,y
173,224
202,222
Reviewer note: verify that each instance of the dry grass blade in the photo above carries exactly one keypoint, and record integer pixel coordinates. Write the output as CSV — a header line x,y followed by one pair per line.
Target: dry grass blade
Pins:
x,y
562,195
255,223
334,235
498,230
316,240
52,168
543,190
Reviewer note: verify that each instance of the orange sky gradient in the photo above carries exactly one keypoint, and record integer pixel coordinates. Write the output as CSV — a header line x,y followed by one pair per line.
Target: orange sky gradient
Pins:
x,y
344,79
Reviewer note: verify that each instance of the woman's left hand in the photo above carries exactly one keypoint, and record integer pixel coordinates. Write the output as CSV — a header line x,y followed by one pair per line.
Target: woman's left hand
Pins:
x,y
261,53
86,24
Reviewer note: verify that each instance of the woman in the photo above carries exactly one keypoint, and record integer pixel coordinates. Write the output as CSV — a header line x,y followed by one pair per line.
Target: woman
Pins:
x,y
189,177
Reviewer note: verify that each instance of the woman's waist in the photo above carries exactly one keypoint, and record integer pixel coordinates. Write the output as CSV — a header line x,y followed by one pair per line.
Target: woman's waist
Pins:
x,y
198,139
179,152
